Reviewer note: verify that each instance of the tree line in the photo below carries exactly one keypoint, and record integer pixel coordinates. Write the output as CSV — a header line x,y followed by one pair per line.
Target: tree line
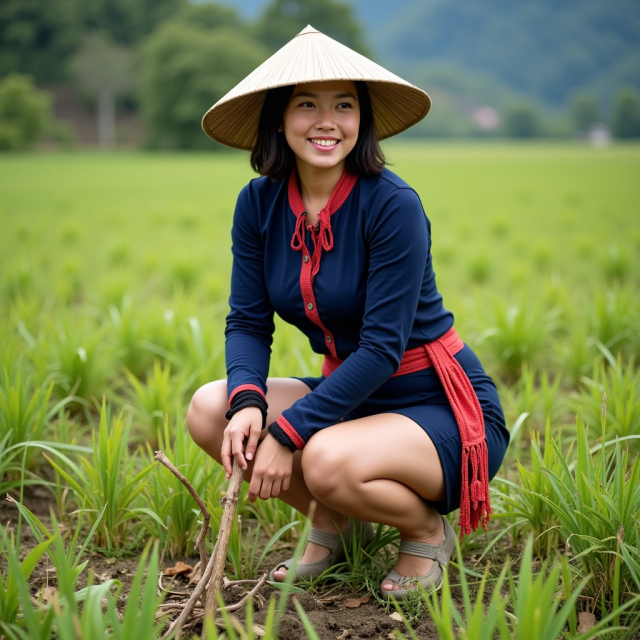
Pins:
x,y
170,60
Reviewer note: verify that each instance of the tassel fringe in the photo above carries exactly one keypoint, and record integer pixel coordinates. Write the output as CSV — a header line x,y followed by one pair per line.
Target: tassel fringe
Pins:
x,y
475,507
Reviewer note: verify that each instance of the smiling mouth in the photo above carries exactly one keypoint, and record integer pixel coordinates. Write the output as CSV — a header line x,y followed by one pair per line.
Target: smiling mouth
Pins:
x,y
324,143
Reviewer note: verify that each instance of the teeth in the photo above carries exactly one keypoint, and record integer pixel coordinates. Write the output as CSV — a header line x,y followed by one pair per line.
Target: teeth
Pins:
x,y
325,143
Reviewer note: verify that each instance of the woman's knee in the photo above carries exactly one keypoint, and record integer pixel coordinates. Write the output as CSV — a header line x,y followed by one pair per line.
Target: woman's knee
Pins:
x,y
205,416
324,467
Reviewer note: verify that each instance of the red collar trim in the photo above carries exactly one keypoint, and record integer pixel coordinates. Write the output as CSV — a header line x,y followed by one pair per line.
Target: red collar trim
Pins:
x,y
336,200
322,238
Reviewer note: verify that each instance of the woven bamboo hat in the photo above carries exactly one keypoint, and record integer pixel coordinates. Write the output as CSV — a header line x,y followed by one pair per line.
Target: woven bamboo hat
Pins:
x,y
313,57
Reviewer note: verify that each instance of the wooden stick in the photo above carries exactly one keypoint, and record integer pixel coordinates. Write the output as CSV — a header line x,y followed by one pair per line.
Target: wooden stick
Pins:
x,y
200,545
191,603
230,504
211,580
221,623
162,458
249,594
231,607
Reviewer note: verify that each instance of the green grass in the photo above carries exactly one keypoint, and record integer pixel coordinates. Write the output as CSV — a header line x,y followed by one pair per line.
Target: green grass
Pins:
x,y
596,499
114,281
108,482
73,613
532,608
505,201
179,519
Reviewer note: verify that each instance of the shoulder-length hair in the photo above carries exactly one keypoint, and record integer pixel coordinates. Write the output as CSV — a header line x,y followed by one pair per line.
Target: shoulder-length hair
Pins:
x,y
271,156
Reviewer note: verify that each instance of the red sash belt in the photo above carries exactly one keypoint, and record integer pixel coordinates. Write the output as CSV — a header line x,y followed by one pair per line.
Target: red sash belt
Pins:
x,y
413,359
474,497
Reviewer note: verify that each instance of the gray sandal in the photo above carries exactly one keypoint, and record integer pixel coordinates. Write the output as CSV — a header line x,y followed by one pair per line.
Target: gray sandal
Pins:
x,y
334,542
432,580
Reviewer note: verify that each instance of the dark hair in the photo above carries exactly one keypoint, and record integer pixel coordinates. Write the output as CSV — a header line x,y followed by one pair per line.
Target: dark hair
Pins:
x,y
271,156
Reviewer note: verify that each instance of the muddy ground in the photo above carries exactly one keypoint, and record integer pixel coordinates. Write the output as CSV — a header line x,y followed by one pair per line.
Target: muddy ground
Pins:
x,y
335,614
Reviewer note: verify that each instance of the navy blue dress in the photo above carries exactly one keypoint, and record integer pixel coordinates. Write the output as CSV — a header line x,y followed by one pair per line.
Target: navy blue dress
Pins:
x,y
376,296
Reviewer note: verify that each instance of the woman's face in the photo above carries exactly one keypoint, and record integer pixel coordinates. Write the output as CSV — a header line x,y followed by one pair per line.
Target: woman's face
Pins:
x,y
321,123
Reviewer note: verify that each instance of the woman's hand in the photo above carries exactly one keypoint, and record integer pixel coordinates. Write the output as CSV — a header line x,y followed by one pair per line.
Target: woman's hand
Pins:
x,y
245,425
271,470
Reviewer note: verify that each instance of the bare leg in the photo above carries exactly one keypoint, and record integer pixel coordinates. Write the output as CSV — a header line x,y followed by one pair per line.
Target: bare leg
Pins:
x,y
380,469
206,423
376,469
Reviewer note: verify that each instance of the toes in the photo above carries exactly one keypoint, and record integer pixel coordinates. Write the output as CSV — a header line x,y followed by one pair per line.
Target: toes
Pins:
x,y
388,585
280,575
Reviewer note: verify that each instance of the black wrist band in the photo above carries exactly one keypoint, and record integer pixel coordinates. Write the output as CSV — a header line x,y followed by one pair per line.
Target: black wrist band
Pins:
x,y
278,433
245,399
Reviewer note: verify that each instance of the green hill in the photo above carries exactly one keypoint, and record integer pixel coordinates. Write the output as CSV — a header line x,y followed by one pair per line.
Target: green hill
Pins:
x,y
545,49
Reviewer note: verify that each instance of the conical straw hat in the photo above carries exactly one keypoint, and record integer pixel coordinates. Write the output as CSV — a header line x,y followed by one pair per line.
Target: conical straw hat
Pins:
x,y
313,57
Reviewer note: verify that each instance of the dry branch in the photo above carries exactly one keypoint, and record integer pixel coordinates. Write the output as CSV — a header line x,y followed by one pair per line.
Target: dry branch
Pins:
x,y
232,607
206,517
191,603
250,594
220,622
213,574
230,503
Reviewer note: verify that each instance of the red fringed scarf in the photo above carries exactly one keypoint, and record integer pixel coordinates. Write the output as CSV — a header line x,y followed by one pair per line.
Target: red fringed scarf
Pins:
x,y
475,507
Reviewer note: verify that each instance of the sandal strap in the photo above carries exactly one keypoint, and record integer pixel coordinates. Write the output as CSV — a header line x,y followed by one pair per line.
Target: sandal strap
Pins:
x,y
324,539
428,580
440,553
424,550
285,564
394,576
333,542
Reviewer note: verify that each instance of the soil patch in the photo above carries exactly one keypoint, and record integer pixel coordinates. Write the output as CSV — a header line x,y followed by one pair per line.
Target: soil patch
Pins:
x,y
334,615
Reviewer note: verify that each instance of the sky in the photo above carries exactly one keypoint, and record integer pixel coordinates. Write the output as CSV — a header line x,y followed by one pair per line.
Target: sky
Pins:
x,y
246,8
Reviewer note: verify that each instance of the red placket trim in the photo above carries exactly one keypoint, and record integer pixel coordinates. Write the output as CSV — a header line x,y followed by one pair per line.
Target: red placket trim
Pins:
x,y
322,237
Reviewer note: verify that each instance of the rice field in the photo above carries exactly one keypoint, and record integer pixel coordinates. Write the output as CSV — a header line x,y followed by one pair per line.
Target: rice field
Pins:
x,y
114,280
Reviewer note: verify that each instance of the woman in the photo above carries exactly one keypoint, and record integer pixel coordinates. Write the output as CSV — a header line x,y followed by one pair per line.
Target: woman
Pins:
x,y
403,426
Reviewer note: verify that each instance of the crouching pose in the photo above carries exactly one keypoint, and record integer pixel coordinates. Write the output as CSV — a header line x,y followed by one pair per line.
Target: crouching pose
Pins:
x,y
403,426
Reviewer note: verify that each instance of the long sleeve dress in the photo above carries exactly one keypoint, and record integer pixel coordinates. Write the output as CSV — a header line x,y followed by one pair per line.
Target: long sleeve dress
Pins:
x,y
361,286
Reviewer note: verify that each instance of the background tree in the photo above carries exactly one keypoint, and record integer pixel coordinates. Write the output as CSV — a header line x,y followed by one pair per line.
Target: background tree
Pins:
x,y
25,112
626,115
38,36
282,19
584,111
521,120
128,21
104,71
208,16
184,70
478,54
